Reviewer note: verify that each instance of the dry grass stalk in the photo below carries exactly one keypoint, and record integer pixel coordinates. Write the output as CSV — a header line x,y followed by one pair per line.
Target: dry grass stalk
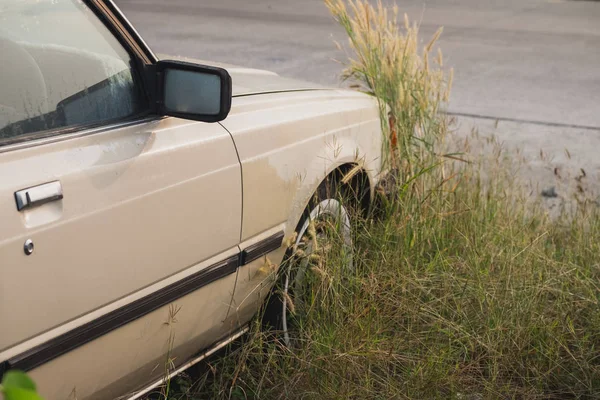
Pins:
x,y
387,62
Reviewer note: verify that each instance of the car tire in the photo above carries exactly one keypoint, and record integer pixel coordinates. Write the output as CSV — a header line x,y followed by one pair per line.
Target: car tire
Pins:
x,y
330,202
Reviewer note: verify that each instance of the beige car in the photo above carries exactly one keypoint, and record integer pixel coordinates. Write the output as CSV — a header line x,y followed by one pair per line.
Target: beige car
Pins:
x,y
145,204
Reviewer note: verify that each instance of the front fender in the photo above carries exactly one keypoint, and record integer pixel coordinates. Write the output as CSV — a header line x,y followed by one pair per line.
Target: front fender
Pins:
x,y
288,143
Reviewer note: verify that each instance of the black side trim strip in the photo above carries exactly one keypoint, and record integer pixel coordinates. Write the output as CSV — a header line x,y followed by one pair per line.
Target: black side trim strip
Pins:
x,y
121,316
261,248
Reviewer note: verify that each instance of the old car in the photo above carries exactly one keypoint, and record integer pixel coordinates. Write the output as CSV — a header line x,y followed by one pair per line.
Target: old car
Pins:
x,y
146,202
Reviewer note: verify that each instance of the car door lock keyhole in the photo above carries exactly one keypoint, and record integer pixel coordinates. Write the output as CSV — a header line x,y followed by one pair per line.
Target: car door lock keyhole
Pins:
x,y
28,247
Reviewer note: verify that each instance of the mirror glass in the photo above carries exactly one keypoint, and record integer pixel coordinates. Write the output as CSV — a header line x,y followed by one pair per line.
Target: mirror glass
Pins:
x,y
192,92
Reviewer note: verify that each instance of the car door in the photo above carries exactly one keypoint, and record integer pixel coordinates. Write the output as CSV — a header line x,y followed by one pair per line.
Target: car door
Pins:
x,y
119,230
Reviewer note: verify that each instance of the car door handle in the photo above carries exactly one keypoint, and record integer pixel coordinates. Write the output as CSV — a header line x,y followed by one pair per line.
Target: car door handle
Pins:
x,y
37,195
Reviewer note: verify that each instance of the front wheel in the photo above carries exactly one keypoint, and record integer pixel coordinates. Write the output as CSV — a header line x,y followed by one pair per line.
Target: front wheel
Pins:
x,y
325,219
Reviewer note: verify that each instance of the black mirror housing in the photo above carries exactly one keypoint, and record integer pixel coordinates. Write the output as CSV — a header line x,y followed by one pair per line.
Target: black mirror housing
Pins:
x,y
192,91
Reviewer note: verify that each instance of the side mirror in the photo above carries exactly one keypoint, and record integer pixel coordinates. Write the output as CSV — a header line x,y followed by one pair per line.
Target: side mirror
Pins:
x,y
193,91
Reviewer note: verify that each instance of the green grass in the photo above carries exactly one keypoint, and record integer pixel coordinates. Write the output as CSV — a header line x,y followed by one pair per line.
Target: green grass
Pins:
x,y
462,287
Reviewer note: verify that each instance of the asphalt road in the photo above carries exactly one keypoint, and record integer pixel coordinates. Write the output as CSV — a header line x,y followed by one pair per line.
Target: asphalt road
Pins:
x,y
534,65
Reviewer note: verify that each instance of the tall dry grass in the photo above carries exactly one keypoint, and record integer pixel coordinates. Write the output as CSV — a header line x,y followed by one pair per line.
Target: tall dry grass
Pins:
x,y
462,287
387,61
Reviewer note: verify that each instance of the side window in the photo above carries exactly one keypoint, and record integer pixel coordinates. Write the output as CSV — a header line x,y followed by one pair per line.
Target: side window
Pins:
x,y
61,67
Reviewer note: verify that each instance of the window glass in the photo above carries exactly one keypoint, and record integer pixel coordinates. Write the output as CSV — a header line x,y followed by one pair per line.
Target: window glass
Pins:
x,y
60,67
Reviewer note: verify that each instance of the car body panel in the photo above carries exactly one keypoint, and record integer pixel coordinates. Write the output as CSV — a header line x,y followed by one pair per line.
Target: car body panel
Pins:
x,y
143,350
97,245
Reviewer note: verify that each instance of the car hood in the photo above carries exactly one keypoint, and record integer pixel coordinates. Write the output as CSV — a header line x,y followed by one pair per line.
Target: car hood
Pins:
x,y
247,81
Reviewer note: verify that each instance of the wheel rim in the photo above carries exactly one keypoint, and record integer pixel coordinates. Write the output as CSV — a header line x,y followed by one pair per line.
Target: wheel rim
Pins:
x,y
329,209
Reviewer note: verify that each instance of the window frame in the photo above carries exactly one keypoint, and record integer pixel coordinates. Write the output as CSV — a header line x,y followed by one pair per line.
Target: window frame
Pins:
x,y
142,59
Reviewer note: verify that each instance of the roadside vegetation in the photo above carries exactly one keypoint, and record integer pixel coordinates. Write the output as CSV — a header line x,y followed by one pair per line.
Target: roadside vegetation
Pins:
x,y
462,286
16,385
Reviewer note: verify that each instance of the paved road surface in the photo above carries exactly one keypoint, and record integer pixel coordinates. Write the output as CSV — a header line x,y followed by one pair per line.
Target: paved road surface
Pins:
x,y
525,59
532,64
